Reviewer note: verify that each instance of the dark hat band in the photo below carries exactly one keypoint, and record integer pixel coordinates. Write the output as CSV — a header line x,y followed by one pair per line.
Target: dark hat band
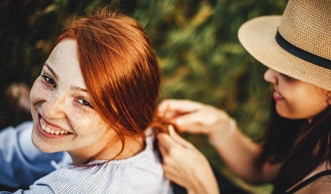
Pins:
x,y
305,55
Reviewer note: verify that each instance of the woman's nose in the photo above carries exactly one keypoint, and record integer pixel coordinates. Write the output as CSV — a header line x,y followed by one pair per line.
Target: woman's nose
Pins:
x,y
270,76
54,107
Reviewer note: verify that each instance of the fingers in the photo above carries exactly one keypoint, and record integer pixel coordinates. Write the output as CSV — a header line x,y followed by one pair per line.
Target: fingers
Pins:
x,y
189,116
184,114
201,121
172,141
171,108
177,138
163,150
189,122
166,142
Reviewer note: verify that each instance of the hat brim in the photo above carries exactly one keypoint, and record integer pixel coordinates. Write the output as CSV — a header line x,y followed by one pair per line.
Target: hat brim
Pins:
x,y
258,37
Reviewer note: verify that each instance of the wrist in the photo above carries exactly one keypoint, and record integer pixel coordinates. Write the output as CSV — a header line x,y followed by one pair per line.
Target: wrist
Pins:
x,y
220,137
206,183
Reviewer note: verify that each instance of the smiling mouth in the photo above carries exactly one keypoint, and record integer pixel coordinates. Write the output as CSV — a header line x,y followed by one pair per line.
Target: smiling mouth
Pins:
x,y
277,96
51,131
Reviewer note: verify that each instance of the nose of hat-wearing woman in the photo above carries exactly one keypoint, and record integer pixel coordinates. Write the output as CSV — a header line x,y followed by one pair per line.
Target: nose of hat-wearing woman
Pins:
x,y
271,76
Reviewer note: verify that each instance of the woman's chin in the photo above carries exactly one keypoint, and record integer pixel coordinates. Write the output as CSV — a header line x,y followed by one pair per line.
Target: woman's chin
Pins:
x,y
40,145
283,113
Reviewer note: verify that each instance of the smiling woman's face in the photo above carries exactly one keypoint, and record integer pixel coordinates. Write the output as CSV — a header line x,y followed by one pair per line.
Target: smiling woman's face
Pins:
x,y
63,117
296,99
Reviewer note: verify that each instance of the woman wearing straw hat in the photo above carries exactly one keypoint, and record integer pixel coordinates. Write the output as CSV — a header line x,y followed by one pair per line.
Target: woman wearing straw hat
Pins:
x,y
296,155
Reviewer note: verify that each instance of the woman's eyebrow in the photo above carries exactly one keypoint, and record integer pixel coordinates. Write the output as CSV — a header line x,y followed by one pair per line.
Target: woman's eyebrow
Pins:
x,y
51,70
79,89
56,77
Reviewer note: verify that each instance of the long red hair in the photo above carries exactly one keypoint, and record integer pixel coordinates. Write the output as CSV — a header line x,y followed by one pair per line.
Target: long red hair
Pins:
x,y
119,67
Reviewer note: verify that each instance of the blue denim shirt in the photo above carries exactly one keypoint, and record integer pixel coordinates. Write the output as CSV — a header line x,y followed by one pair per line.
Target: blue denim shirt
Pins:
x,y
21,163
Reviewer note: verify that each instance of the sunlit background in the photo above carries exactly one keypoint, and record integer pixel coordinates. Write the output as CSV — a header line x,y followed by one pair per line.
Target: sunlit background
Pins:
x,y
195,41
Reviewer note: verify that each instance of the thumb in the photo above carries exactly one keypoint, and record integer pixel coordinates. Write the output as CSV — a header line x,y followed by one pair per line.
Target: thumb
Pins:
x,y
177,138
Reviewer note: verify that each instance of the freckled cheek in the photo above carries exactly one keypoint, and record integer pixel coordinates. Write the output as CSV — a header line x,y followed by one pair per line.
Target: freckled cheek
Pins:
x,y
85,126
38,93
82,125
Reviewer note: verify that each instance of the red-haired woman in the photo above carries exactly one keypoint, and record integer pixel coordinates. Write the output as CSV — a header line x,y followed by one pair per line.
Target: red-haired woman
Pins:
x,y
96,98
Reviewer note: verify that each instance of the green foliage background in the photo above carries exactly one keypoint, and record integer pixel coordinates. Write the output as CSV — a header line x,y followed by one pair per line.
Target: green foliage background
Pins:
x,y
195,40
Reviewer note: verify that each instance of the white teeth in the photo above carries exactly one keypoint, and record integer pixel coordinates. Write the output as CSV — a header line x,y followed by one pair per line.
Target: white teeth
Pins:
x,y
277,94
51,131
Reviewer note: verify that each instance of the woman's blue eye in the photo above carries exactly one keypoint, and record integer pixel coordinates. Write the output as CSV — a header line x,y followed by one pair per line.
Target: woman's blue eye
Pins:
x,y
49,80
84,102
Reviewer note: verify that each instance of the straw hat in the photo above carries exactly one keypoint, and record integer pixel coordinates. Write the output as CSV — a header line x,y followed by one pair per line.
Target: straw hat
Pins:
x,y
297,44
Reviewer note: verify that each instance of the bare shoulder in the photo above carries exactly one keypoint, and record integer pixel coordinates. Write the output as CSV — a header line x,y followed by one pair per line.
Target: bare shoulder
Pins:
x,y
319,186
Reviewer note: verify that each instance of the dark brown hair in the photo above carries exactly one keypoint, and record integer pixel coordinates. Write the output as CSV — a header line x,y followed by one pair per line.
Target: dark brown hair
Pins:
x,y
300,145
